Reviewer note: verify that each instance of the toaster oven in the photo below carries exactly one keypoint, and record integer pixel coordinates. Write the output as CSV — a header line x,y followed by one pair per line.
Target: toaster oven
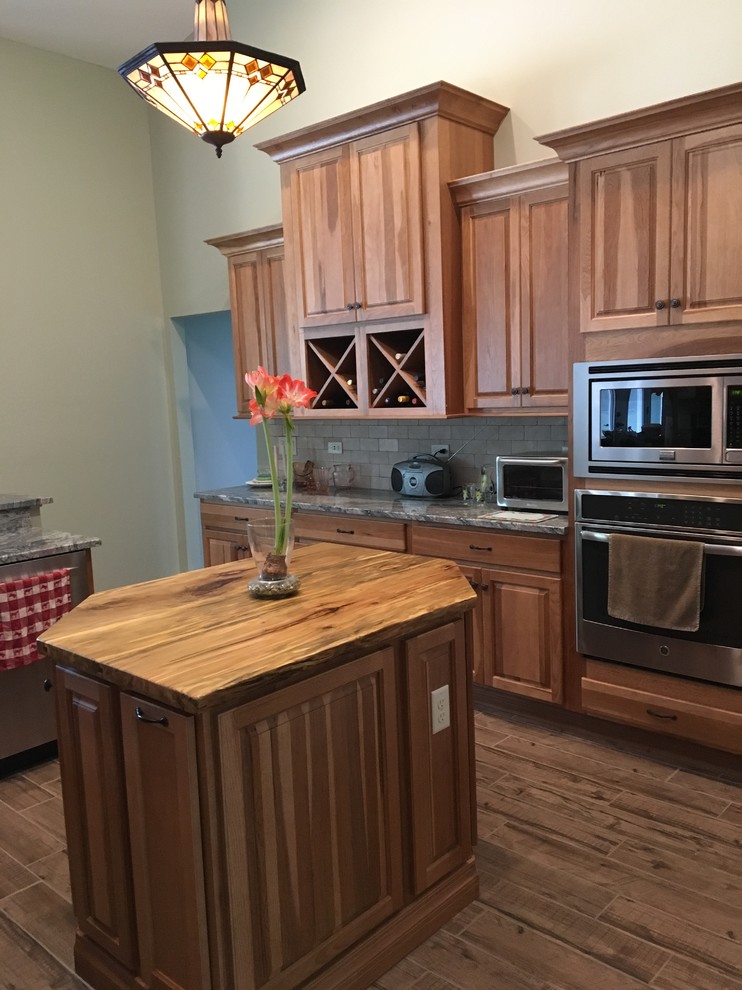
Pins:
x,y
532,481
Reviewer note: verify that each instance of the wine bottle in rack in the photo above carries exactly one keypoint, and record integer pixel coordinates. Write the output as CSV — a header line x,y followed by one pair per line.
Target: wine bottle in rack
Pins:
x,y
326,404
398,356
382,381
349,381
403,400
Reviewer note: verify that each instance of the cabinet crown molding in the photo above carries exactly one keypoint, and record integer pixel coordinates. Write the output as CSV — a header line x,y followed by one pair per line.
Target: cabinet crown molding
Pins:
x,y
674,118
507,181
439,99
248,240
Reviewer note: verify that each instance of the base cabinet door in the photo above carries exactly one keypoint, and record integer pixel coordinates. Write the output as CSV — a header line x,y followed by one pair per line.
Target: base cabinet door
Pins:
x,y
437,691
317,864
162,798
92,773
223,548
523,632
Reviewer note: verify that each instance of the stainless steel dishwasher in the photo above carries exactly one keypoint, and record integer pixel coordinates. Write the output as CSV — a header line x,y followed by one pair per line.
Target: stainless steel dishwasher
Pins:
x,y
27,715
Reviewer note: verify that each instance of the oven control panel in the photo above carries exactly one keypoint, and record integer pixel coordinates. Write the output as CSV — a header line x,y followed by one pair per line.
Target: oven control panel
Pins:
x,y
674,511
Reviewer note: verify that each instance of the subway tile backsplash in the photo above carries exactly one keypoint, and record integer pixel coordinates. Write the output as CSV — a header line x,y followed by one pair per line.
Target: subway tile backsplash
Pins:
x,y
373,447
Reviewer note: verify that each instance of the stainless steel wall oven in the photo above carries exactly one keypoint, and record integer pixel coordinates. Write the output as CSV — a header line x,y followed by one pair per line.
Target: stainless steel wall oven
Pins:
x,y
711,653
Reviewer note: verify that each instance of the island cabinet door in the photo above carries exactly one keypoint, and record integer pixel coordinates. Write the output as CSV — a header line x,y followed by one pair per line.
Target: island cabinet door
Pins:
x,y
162,797
310,779
92,772
439,720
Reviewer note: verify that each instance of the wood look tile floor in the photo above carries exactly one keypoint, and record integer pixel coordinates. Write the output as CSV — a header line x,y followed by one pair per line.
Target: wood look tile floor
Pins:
x,y
601,868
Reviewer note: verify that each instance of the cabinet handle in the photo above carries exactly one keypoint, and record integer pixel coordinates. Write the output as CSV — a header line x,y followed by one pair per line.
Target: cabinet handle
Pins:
x,y
660,304
676,303
472,547
474,584
350,306
349,532
242,519
514,391
524,390
671,718
356,305
47,684
485,587
150,721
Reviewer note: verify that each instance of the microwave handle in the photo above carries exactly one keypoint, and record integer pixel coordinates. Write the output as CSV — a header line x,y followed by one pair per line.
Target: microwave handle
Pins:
x,y
556,462
712,549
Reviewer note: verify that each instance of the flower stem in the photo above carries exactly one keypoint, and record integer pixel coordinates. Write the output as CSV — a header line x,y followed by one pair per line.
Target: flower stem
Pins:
x,y
289,482
274,485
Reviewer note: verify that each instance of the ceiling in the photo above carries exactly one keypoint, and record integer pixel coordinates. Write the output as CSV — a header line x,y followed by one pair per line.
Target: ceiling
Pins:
x,y
105,32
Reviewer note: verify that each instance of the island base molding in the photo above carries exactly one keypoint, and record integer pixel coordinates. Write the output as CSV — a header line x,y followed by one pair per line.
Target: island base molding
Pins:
x,y
357,968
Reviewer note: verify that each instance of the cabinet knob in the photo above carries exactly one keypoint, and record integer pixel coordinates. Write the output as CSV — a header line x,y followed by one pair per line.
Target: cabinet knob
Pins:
x,y
356,305
474,584
676,303
514,391
47,684
350,306
150,721
660,304
524,390
485,587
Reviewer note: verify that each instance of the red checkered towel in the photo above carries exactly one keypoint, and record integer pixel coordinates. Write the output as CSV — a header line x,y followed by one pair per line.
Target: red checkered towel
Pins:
x,y
28,606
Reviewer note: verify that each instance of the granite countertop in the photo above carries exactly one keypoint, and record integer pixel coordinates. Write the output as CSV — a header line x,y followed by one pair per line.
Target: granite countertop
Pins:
x,y
21,502
44,545
388,505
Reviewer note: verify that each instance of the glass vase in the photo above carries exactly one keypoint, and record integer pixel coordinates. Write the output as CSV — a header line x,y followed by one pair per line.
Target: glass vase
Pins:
x,y
273,579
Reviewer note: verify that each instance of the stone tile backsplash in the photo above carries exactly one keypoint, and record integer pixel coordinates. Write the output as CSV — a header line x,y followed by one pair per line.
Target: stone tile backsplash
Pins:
x,y
372,447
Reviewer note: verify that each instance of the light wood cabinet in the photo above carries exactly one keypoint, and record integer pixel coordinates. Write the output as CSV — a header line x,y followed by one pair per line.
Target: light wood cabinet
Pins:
x,y
704,713
518,625
658,220
260,330
515,252
322,527
273,817
373,249
357,210
162,796
92,772
224,531
328,868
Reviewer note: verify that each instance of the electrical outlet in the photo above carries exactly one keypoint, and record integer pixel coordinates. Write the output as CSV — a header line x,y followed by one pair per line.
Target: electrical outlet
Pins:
x,y
335,447
440,706
441,449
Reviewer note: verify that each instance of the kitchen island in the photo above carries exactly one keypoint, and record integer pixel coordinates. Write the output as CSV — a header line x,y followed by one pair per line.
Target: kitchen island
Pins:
x,y
267,794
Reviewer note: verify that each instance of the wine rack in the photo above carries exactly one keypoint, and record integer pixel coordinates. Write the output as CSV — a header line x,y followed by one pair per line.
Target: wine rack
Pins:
x,y
396,369
332,371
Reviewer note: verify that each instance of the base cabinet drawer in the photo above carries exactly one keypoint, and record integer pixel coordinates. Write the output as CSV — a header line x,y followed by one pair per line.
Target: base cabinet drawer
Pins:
x,y
700,717
353,530
487,547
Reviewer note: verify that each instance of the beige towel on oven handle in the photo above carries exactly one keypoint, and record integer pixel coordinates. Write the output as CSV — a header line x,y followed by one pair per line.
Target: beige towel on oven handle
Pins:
x,y
655,582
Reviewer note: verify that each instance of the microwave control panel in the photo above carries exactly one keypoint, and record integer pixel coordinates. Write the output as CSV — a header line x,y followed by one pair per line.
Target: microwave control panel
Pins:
x,y
734,417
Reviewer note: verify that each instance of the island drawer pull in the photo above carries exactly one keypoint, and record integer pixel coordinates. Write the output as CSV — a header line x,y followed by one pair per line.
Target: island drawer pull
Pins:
x,y
150,721
473,547
242,519
349,532
671,718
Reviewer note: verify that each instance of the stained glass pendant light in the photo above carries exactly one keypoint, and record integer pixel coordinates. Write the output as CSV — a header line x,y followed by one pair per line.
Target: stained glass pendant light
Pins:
x,y
214,86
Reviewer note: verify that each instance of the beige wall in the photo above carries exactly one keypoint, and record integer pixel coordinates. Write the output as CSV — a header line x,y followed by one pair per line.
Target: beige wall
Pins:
x,y
554,62
84,416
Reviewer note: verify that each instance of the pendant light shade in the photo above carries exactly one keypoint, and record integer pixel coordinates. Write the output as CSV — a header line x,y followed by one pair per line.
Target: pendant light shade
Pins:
x,y
214,86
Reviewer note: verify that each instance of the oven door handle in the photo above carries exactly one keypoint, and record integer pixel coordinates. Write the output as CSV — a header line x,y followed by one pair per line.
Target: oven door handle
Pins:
x,y
711,549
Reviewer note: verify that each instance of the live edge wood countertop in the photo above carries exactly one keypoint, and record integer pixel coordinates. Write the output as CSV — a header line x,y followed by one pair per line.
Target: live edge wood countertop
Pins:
x,y
198,640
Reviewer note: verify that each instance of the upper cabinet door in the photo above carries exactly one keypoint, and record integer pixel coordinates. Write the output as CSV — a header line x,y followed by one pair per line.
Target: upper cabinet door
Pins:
x,y
248,322
543,279
491,305
624,235
707,227
387,224
323,237
276,339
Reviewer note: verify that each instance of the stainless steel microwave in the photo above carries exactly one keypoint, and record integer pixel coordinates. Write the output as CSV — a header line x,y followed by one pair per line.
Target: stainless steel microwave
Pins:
x,y
532,481
659,418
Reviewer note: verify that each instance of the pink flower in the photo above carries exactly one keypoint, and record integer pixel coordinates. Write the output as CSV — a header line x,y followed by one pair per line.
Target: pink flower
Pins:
x,y
293,394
